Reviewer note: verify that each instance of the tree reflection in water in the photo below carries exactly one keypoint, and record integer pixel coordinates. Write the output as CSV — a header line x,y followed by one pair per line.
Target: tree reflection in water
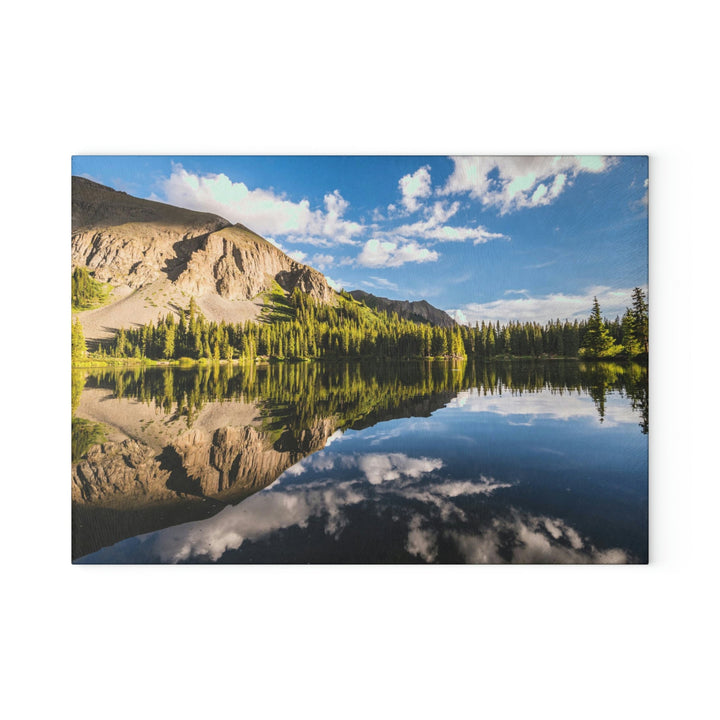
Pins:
x,y
223,432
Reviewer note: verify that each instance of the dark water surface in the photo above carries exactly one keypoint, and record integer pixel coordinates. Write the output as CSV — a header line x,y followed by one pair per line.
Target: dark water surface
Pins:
x,y
517,462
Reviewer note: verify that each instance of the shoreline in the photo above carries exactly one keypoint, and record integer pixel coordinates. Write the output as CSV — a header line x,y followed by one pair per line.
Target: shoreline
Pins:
x,y
204,362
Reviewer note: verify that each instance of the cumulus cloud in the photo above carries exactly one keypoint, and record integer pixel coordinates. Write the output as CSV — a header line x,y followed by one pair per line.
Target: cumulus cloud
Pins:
x,y
298,255
256,517
430,513
511,183
421,542
458,316
321,261
261,210
381,467
433,227
414,186
379,252
613,301
524,539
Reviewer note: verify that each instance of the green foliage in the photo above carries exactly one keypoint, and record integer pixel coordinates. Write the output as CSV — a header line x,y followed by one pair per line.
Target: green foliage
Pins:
x,y
77,342
278,307
629,335
598,342
640,317
294,395
85,434
77,386
296,327
87,292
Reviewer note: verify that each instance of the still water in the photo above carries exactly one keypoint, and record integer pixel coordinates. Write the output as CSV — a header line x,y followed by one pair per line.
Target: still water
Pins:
x,y
516,462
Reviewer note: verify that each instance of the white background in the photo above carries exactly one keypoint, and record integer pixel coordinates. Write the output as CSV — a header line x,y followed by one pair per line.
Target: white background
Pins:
x,y
372,77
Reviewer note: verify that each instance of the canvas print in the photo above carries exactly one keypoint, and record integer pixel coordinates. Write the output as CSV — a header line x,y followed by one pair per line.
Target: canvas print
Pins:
x,y
289,359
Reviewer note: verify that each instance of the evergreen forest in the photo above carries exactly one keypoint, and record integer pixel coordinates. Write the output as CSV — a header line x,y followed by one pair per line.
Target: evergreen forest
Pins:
x,y
297,328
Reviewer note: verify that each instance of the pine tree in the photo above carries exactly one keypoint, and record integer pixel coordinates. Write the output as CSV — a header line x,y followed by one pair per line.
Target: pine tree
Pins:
x,y
507,341
169,342
641,319
629,335
597,342
77,341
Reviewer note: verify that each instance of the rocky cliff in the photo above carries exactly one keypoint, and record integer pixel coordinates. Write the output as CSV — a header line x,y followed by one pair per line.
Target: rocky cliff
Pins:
x,y
417,311
126,488
161,254
237,264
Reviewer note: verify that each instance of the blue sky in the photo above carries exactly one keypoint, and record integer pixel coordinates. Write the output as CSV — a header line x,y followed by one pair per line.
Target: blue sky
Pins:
x,y
485,238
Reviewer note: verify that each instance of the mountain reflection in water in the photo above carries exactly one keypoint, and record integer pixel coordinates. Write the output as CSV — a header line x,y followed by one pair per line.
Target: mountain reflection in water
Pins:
x,y
349,462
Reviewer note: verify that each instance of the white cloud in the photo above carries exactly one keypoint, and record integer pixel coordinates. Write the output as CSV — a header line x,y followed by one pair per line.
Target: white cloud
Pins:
x,y
321,261
511,183
613,301
318,260
539,194
382,467
482,486
546,405
535,539
298,255
261,210
420,542
316,241
393,253
433,227
458,316
527,538
380,283
256,517
337,435
412,187
336,284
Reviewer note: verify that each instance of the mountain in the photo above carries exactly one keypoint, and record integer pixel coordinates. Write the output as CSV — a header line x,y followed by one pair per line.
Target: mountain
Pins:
x,y
418,311
156,256
157,468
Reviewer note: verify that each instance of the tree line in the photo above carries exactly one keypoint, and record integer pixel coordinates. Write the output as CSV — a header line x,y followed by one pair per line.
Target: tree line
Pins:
x,y
300,328
296,395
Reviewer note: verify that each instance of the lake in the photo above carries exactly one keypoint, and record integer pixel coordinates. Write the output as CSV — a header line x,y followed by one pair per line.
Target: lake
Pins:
x,y
414,462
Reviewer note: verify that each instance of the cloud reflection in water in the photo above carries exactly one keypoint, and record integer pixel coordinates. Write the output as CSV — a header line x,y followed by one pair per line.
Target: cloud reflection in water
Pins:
x,y
428,507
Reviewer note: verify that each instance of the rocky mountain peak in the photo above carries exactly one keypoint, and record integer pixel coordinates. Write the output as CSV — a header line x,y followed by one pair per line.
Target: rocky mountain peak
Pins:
x,y
132,242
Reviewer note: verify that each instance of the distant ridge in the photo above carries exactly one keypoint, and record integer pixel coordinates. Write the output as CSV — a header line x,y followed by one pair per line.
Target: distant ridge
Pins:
x,y
418,311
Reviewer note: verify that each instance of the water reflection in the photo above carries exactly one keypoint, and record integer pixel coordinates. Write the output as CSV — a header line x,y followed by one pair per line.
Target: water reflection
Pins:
x,y
185,453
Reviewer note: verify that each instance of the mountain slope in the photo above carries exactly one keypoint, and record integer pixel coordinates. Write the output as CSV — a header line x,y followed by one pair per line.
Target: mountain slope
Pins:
x,y
418,311
156,256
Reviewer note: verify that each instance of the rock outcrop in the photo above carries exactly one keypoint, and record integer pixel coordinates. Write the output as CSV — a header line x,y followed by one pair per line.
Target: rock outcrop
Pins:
x,y
123,489
121,474
237,264
132,242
